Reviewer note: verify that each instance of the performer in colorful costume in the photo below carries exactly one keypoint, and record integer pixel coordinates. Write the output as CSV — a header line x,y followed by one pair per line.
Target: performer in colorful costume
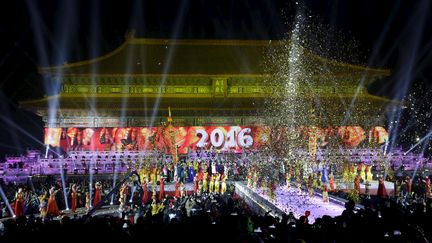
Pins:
x,y
73,198
161,189
382,192
195,183
19,203
146,195
43,204
224,185
98,194
357,183
325,195
177,191
217,183
52,208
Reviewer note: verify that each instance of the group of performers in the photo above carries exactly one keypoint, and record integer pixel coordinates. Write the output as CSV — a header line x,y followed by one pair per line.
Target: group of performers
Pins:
x,y
209,175
310,175
47,202
203,182
184,171
296,173
422,187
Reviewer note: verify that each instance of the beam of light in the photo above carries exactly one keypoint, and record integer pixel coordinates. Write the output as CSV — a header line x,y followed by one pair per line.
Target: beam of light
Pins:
x,y
66,28
130,61
34,190
12,124
51,88
6,110
64,184
6,201
400,134
371,60
38,29
403,91
168,60
405,74
114,180
138,22
419,142
423,62
94,50
420,155
414,172
425,143
46,151
133,191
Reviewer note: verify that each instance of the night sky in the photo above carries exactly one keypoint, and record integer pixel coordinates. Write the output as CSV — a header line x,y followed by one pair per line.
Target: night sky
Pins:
x,y
390,34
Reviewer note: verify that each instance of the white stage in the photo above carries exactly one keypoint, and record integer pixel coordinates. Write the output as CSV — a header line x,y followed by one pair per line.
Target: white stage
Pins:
x,y
298,203
293,201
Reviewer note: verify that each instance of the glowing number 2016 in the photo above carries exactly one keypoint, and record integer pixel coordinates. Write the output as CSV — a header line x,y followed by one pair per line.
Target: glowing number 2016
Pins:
x,y
231,138
244,139
204,136
217,138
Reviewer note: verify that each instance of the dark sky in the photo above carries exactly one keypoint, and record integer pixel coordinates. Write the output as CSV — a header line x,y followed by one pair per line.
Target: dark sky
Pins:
x,y
392,34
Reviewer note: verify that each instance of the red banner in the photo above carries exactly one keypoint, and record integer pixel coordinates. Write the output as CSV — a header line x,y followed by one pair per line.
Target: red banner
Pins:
x,y
224,138
159,138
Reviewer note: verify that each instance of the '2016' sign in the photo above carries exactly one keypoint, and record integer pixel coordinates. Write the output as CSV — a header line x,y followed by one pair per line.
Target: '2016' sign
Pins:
x,y
219,138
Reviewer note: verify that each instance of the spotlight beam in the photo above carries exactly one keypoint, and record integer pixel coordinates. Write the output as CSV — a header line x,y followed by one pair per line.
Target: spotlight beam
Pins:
x,y
5,200
405,74
63,184
10,123
167,65
419,142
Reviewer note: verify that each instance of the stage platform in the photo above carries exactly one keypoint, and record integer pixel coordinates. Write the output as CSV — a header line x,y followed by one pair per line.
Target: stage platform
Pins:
x,y
290,200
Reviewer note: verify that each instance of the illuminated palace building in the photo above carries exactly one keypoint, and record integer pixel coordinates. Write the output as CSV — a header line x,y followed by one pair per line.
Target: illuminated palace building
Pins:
x,y
115,107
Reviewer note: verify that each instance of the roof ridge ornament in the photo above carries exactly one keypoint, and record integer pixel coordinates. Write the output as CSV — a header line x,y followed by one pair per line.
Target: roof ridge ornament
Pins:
x,y
169,119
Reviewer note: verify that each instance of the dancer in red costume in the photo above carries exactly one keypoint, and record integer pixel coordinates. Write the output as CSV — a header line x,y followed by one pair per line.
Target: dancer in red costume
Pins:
x,y
98,193
408,181
162,189
201,175
52,208
332,182
382,192
177,191
195,181
357,183
325,195
19,203
74,198
146,196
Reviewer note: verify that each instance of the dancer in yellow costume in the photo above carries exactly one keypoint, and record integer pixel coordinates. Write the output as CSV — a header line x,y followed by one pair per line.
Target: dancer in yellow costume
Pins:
x,y
217,183
224,185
